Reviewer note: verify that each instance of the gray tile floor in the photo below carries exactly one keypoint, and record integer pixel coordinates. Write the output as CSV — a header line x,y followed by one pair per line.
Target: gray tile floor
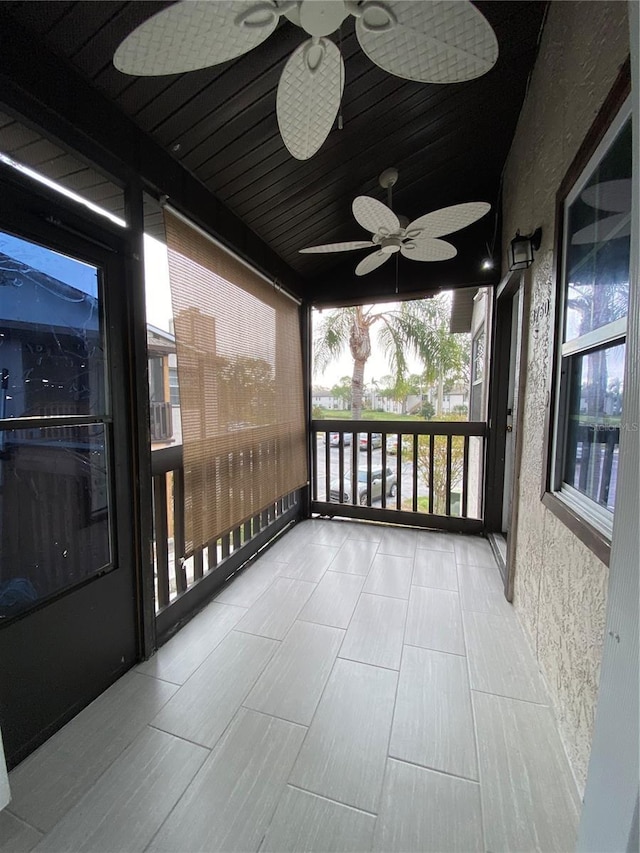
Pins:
x,y
358,688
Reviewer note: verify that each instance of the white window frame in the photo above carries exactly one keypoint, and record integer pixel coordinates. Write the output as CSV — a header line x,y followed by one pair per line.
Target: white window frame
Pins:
x,y
611,334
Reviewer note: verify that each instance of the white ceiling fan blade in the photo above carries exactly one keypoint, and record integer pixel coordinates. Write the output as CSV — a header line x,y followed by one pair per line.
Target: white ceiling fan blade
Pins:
x,y
374,216
442,41
195,34
309,94
428,250
447,220
338,247
612,196
609,228
372,262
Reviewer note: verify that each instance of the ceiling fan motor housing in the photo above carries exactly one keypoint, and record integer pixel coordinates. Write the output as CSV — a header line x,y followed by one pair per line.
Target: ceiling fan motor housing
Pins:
x,y
390,245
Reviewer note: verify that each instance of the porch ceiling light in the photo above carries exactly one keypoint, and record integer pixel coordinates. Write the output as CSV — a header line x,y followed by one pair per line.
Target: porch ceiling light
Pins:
x,y
522,248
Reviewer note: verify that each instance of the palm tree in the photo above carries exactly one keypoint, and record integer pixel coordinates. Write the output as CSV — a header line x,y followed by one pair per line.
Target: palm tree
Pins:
x,y
418,328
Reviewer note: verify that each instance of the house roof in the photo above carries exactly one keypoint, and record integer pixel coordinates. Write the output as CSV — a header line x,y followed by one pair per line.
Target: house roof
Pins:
x,y
449,142
160,342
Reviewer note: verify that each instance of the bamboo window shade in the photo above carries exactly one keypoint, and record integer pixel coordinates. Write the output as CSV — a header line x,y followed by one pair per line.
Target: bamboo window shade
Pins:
x,y
241,393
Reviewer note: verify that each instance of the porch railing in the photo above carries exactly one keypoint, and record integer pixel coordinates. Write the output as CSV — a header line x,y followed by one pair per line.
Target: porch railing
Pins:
x,y
183,578
424,473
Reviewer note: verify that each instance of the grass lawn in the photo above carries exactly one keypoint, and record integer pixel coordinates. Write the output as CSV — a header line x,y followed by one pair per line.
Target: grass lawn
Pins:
x,y
423,504
367,415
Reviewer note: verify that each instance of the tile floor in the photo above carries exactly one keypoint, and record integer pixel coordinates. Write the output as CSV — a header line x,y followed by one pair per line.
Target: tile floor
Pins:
x,y
359,688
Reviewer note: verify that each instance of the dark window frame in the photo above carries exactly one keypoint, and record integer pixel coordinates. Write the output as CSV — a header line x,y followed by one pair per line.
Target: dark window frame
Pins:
x,y
587,533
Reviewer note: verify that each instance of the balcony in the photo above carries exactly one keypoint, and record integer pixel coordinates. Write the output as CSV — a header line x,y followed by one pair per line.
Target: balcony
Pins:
x,y
423,473
160,421
426,474
357,687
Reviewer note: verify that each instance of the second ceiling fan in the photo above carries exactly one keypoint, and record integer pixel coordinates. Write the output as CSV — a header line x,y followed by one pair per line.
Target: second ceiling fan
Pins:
x,y
418,240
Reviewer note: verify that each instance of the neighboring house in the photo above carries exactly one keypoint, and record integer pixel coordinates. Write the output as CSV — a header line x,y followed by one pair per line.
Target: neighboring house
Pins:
x,y
164,392
326,400
387,404
451,400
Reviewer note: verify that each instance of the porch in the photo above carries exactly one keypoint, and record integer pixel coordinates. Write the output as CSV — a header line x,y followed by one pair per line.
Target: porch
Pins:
x,y
357,687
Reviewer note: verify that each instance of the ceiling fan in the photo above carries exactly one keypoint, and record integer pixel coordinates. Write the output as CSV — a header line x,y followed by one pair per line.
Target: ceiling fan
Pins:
x,y
428,41
417,240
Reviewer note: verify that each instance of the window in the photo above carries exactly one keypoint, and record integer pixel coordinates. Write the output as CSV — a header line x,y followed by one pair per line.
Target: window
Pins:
x,y
55,423
174,385
592,301
156,380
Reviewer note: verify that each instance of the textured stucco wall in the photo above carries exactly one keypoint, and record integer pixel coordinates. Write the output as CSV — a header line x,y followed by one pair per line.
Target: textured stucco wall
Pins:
x,y
560,587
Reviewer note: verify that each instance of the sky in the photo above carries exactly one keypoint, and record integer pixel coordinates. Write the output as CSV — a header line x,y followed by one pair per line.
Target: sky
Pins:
x,y
158,292
68,270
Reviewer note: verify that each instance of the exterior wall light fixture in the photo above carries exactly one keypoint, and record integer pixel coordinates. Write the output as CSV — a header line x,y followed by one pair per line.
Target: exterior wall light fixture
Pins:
x,y
522,248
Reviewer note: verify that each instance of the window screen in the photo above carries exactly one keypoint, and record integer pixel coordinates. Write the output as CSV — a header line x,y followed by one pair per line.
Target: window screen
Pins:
x,y
241,392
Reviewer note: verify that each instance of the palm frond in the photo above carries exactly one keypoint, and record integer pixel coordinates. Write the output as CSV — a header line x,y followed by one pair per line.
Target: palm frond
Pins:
x,y
332,337
416,328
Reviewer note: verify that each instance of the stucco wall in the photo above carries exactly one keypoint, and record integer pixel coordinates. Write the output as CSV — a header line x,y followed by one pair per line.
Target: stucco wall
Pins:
x,y
560,587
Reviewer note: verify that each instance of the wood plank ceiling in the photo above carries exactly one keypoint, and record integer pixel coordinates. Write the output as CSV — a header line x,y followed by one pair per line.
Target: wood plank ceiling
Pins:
x,y
449,142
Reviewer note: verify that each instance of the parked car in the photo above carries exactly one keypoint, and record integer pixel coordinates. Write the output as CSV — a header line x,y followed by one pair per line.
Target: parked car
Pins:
x,y
376,440
334,438
335,496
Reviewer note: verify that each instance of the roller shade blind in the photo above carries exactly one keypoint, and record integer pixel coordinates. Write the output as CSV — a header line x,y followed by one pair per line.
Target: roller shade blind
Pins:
x,y
241,392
